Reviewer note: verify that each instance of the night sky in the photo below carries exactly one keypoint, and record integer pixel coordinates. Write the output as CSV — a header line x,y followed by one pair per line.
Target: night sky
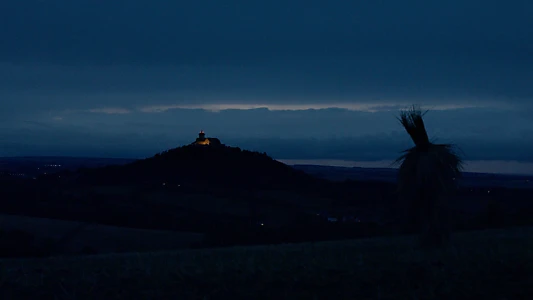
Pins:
x,y
130,78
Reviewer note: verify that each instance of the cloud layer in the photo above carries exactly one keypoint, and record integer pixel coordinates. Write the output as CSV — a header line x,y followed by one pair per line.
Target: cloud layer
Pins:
x,y
291,134
127,78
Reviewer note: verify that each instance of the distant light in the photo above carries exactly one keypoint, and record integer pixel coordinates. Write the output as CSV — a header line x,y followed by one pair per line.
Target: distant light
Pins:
x,y
488,192
179,184
262,224
164,183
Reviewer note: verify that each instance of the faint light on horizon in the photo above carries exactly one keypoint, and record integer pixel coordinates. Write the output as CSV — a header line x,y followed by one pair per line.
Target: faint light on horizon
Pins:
x,y
475,166
110,110
276,107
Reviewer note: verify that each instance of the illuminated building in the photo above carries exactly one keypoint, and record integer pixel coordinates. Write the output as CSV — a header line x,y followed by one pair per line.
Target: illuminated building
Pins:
x,y
201,139
205,141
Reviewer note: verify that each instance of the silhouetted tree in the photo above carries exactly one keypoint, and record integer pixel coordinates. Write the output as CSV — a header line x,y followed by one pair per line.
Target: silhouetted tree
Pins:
x,y
427,176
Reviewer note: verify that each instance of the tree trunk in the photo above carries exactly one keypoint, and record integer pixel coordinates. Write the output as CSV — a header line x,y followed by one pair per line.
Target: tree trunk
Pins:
x,y
410,210
435,230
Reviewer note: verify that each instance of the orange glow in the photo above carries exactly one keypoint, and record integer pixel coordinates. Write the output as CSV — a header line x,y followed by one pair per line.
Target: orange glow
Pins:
x,y
204,142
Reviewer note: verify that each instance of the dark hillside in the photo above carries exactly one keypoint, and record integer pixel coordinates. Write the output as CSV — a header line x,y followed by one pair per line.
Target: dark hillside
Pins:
x,y
204,166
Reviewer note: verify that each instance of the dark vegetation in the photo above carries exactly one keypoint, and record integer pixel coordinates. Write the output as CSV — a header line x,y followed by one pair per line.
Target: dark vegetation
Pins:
x,y
230,174
208,168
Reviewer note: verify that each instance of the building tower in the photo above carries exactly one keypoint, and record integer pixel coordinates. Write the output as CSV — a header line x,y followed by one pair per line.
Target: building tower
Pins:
x,y
202,140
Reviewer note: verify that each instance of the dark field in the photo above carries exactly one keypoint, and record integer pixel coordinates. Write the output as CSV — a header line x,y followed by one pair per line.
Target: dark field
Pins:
x,y
492,264
152,209
99,238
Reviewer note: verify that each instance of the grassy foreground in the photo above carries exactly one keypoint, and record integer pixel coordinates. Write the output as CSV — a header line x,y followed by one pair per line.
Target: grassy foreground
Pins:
x,y
495,264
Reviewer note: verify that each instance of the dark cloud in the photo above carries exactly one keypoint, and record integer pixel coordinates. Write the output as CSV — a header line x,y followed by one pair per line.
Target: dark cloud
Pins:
x,y
244,31
80,53
365,81
74,71
304,134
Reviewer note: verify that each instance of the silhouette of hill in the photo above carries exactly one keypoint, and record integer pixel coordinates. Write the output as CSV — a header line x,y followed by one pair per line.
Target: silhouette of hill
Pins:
x,y
207,166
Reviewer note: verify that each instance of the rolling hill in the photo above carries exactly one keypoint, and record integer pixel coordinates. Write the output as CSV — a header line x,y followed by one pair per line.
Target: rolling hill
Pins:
x,y
204,166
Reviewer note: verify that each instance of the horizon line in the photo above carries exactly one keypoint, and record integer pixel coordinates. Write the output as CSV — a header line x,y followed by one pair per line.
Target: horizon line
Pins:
x,y
216,108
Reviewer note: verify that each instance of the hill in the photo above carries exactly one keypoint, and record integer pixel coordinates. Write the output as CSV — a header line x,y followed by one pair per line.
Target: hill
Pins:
x,y
377,268
194,188
203,166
